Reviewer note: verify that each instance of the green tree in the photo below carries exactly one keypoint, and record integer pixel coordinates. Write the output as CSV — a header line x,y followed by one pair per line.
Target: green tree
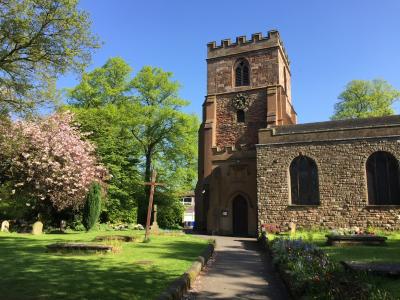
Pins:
x,y
92,209
147,111
96,102
109,84
118,153
363,99
167,137
39,40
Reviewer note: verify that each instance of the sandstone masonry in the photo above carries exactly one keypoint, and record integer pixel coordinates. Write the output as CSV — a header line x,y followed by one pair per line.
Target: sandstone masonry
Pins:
x,y
249,137
340,150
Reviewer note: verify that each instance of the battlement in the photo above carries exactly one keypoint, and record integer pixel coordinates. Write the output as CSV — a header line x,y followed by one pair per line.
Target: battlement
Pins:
x,y
256,42
231,149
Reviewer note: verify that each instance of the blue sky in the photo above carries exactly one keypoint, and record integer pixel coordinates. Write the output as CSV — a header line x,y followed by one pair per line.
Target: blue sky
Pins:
x,y
329,43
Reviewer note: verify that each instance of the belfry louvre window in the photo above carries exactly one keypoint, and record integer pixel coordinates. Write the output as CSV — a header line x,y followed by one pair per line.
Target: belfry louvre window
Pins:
x,y
383,179
240,116
242,73
304,184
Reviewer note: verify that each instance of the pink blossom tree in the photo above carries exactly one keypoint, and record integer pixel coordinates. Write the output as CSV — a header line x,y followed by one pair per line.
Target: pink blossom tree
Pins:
x,y
54,163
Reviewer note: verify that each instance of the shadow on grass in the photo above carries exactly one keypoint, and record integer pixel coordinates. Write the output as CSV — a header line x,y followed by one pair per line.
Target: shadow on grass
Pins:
x,y
385,253
29,272
185,250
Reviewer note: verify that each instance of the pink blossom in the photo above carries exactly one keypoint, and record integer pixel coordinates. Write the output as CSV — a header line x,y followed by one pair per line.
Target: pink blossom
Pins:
x,y
55,162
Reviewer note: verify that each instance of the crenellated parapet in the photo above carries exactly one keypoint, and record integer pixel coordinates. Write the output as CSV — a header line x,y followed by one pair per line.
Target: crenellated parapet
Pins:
x,y
231,149
256,42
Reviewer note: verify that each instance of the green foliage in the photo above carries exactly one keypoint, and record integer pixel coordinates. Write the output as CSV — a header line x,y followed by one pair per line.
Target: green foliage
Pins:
x,y
77,276
314,275
117,151
40,39
362,99
109,84
167,137
12,206
137,123
92,209
170,212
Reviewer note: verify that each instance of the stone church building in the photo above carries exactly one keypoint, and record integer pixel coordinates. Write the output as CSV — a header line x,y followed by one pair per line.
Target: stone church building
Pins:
x,y
257,166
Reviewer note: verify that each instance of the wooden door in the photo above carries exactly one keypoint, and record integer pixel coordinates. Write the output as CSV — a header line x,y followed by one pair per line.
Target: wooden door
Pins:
x,y
240,216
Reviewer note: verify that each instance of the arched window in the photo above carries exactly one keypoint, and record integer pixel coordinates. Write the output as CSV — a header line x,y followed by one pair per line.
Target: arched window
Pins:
x,y
240,116
304,181
242,73
383,179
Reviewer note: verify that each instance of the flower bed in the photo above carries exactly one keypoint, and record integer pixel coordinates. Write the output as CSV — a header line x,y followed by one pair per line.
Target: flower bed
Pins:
x,y
309,273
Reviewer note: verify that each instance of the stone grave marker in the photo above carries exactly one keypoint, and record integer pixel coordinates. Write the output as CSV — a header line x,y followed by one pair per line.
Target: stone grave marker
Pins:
x,y
292,227
37,228
63,225
154,227
5,226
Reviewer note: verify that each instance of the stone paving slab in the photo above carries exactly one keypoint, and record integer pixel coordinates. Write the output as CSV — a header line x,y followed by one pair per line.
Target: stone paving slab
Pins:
x,y
384,269
239,270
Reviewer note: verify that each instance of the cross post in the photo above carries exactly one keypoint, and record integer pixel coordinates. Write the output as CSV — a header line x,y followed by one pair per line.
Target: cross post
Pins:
x,y
152,184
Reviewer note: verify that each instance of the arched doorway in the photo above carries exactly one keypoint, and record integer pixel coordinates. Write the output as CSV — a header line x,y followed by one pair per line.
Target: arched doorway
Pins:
x,y
239,216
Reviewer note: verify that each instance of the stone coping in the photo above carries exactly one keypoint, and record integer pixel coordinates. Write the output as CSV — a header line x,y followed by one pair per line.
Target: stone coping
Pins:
x,y
355,239
78,247
182,284
122,238
383,269
339,125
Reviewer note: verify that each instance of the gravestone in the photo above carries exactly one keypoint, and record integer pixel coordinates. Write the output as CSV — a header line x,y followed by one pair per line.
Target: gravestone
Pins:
x,y
5,226
63,225
37,228
292,227
154,227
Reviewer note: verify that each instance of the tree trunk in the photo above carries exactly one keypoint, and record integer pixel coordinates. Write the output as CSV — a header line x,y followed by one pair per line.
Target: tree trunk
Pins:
x,y
143,205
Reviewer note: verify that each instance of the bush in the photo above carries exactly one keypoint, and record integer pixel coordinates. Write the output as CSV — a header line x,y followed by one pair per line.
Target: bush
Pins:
x,y
92,209
310,273
117,211
170,214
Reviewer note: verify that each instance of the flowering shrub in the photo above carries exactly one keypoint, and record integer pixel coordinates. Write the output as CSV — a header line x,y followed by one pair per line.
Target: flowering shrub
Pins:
x,y
309,272
270,228
52,162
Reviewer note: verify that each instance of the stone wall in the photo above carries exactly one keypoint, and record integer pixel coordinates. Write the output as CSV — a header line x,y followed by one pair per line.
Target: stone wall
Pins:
x,y
342,184
264,71
226,170
229,131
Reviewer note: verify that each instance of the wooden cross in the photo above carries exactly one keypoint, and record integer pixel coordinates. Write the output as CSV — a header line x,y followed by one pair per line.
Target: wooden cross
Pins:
x,y
152,184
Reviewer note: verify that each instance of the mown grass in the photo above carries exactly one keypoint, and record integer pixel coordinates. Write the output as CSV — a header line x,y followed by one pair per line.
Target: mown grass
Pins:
x,y
137,271
390,253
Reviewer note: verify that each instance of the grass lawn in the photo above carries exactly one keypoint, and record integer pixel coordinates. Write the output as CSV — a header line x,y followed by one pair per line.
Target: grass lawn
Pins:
x,y
29,272
378,254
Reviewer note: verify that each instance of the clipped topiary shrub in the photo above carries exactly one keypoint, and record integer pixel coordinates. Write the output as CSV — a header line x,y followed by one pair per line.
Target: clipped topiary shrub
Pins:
x,y
92,208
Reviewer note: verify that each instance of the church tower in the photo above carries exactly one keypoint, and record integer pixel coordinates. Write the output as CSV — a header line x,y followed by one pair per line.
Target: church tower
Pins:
x,y
248,88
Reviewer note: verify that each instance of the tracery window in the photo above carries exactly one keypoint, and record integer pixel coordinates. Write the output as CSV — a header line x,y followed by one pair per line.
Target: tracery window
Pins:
x,y
304,184
242,73
383,179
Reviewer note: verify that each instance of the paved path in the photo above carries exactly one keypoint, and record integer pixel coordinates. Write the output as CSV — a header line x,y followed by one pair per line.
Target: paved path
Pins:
x,y
238,271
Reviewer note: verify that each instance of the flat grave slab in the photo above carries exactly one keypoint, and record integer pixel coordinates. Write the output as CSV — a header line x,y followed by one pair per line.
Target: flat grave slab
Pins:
x,y
384,269
122,238
356,239
78,247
